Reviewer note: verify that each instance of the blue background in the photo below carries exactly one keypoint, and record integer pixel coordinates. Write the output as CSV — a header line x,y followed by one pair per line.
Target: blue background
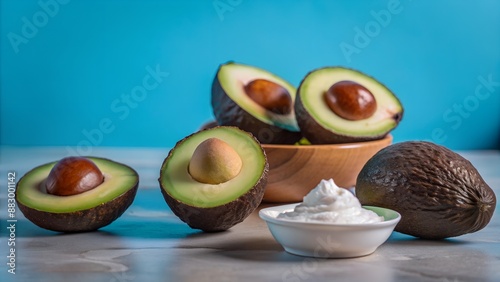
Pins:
x,y
62,84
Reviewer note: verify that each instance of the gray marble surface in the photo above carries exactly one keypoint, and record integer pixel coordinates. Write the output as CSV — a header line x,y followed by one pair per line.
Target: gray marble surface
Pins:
x,y
148,243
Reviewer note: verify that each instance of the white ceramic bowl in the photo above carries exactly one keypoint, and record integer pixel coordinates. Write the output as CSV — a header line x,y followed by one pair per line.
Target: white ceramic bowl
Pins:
x,y
328,240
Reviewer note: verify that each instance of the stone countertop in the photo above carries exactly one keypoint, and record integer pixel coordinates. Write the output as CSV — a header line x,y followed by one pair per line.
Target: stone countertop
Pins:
x,y
149,243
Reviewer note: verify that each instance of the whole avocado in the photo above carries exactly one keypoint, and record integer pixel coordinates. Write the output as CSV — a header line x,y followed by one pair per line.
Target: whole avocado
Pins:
x,y
438,193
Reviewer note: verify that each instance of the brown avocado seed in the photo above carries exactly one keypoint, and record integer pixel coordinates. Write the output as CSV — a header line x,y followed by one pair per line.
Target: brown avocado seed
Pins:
x,y
350,100
270,95
214,162
73,175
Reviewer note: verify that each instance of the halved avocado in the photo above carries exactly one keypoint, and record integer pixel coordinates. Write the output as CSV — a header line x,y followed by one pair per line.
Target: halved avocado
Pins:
x,y
214,207
82,212
322,123
233,104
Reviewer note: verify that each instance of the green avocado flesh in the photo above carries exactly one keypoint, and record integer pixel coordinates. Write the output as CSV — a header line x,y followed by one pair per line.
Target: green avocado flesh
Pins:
x,y
233,77
387,115
178,183
118,179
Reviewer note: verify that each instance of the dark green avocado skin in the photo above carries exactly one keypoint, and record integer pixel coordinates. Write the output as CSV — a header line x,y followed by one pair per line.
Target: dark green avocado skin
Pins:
x,y
438,193
84,220
229,113
219,218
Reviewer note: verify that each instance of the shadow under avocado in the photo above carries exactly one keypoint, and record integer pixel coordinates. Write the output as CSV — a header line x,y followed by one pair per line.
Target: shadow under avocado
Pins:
x,y
253,249
26,229
148,229
397,238
148,217
127,227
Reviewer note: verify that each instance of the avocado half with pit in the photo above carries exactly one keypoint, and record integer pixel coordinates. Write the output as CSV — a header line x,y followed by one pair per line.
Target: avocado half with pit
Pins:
x,y
76,194
340,105
256,101
215,178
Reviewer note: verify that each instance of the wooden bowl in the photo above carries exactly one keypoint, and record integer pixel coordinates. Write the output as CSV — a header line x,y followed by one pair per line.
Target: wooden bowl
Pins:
x,y
295,170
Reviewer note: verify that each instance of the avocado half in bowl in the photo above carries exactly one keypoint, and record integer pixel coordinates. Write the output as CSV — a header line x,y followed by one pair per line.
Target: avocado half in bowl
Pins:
x,y
341,105
344,115
76,194
256,101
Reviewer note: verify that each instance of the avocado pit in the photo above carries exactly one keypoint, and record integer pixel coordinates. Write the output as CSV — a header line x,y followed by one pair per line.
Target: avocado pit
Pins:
x,y
73,175
214,162
269,95
350,100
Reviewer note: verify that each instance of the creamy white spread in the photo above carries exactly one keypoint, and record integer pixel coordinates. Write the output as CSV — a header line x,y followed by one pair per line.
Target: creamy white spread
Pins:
x,y
329,203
